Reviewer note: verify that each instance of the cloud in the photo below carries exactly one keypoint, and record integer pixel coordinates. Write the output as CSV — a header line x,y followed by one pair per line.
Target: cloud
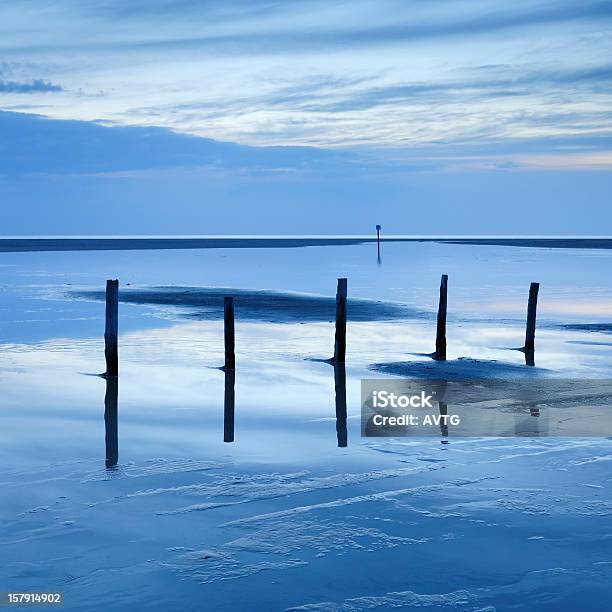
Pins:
x,y
32,143
245,29
311,72
489,22
518,81
35,86
214,10
484,102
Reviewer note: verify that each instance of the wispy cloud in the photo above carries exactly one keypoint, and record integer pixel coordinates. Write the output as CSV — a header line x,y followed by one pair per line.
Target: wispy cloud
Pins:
x,y
410,31
32,145
520,82
214,10
35,86
263,27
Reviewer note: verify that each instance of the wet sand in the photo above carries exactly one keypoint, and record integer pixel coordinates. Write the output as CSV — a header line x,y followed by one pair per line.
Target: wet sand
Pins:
x,y
113,243
256,305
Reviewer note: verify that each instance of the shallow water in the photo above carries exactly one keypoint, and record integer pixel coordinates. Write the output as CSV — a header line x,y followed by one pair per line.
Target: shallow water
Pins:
x,y
283,517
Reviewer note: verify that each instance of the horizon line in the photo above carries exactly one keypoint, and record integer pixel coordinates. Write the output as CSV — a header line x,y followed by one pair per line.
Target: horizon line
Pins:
x,y
305,236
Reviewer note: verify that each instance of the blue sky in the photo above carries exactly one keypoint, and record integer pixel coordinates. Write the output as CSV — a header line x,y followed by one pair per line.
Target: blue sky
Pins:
x,y
445,115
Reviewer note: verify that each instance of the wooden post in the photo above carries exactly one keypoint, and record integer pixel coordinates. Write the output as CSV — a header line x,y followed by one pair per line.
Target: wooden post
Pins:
x,y
228,321
440,353
111,351
229,405
340,343
229,368
378,228
532,308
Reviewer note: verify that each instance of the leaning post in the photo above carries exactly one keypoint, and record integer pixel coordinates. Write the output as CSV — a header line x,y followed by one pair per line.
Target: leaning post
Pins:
x,y
111,351
532,308
440,353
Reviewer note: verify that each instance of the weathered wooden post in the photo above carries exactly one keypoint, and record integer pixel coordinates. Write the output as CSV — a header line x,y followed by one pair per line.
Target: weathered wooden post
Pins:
x,y
532,308
111,438
440,353
378,228
111,351
340,343
228,322
229,405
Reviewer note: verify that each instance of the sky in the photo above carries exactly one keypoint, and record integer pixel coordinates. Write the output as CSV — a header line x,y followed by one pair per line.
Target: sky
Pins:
x,y
287,116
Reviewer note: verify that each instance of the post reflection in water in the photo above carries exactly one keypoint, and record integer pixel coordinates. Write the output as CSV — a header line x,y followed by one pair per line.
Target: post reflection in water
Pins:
x,y
441,389
340,385
443,407
228,405
110,421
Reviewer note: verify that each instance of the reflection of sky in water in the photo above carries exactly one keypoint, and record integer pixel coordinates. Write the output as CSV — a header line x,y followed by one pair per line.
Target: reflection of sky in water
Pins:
x,y
173,462
171,392
167,363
